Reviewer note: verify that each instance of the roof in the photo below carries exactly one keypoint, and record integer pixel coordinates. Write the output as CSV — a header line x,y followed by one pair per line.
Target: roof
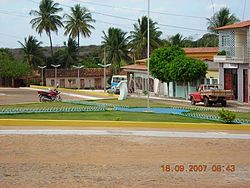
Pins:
x,y
201,50
135,67
211,66
87,72
236,25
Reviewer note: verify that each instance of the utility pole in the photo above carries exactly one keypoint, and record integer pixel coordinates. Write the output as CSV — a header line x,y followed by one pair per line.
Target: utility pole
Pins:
x,y
78,73
42,67
55,66
104,66
148,106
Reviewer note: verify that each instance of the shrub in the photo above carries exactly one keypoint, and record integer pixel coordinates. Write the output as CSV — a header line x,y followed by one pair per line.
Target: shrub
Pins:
x,y
117,118
222,52
145,92
227,116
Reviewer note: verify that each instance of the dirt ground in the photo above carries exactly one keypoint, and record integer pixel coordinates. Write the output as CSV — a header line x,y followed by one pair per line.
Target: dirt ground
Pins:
x,y
120,161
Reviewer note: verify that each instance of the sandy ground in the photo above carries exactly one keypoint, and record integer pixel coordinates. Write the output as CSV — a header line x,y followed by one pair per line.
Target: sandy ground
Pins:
x,y
120,161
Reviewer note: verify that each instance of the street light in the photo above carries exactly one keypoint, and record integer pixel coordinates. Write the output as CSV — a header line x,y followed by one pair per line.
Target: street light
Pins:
x,y
78,67
148,53
42,67
55,66
104,66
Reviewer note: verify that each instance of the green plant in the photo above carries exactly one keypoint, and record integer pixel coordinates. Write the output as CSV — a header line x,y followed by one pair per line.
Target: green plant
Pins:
x,y
145,92
227,116
117,118
223,52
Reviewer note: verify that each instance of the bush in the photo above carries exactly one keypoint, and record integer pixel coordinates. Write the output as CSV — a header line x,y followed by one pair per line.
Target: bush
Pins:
x,y
227,116
222,52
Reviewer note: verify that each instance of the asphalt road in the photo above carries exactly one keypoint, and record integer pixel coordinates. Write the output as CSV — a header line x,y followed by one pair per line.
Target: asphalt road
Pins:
x,y
19,95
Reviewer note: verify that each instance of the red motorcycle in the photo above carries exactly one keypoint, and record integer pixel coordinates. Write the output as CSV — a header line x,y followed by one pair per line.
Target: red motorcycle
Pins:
x,y
51,95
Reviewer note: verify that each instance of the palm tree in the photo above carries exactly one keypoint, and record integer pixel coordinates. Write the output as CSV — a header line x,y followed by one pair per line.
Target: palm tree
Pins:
x,y
78,23
221,18
47,19
139,37
68,55
115,43
33,52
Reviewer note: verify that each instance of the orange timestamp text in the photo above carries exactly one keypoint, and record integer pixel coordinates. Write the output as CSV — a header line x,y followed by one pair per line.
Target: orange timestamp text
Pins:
x,y
168,168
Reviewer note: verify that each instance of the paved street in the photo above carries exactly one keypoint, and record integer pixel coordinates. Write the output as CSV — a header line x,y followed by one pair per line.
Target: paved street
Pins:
x,y
22,95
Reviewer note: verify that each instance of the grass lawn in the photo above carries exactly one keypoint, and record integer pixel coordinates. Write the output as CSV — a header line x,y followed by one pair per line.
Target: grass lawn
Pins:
x,y
112,115
107,116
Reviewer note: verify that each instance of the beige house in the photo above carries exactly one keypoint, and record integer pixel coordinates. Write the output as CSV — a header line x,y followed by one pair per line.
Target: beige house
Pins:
x,y
89,78
234,64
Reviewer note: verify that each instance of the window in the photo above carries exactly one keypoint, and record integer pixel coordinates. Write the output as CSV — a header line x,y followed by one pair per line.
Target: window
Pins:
x,y
215,81
74,81
52,83
225,41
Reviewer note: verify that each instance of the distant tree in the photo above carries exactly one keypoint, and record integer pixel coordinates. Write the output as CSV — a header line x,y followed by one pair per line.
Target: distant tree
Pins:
x,y
67,56
184,69
221,18
78,22
207,40
11,68
47,19
33,52
177,40
160,60
140,34
115,42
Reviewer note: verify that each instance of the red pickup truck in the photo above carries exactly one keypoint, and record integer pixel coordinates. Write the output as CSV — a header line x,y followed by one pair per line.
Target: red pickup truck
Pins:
x,y
211,94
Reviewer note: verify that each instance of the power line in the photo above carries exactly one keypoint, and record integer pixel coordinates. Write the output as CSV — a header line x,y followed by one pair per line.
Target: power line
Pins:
x,y
244,10
212,2
138,10
129,19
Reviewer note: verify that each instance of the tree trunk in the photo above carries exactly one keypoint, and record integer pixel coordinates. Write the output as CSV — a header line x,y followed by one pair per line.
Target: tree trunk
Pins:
x,y
12,82
158,88
168,89
78,42
51,45
186,90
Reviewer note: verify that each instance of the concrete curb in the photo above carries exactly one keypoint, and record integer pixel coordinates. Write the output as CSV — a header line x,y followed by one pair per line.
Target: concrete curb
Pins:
x,y
122,124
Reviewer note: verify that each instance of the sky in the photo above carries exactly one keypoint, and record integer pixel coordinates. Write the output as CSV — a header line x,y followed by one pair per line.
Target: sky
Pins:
x,y
187,17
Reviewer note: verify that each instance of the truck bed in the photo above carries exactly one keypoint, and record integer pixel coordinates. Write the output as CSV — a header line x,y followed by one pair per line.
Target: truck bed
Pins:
x,y
217,92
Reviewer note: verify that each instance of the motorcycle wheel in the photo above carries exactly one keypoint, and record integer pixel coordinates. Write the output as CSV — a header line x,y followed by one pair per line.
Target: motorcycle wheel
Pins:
x,y
59,98
42,99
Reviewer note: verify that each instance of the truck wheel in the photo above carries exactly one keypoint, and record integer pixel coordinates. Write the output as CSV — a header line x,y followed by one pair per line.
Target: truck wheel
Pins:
x,y
193,101
206,102
224,103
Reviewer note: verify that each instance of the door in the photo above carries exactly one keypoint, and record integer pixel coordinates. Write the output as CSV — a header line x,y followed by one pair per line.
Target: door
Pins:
x,y
82,84
62,83
231,81
245,86
98,84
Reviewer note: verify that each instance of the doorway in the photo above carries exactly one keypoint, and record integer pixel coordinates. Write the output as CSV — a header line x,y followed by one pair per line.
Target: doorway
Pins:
x,y
245,86
231,81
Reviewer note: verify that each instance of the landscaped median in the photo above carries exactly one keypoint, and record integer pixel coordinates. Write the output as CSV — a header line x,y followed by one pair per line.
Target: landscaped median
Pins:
x,y
122,124
79,92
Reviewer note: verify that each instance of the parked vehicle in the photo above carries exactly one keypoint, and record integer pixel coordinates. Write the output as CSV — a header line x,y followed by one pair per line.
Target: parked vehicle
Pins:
x,y
211,94
116,79
51,95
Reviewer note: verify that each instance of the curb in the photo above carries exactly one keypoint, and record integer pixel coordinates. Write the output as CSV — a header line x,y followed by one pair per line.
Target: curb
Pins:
x,y
122,124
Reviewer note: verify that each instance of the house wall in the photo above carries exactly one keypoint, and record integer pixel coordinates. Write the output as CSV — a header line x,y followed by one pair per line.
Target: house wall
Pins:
x,y
249,85
89,82
241,44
